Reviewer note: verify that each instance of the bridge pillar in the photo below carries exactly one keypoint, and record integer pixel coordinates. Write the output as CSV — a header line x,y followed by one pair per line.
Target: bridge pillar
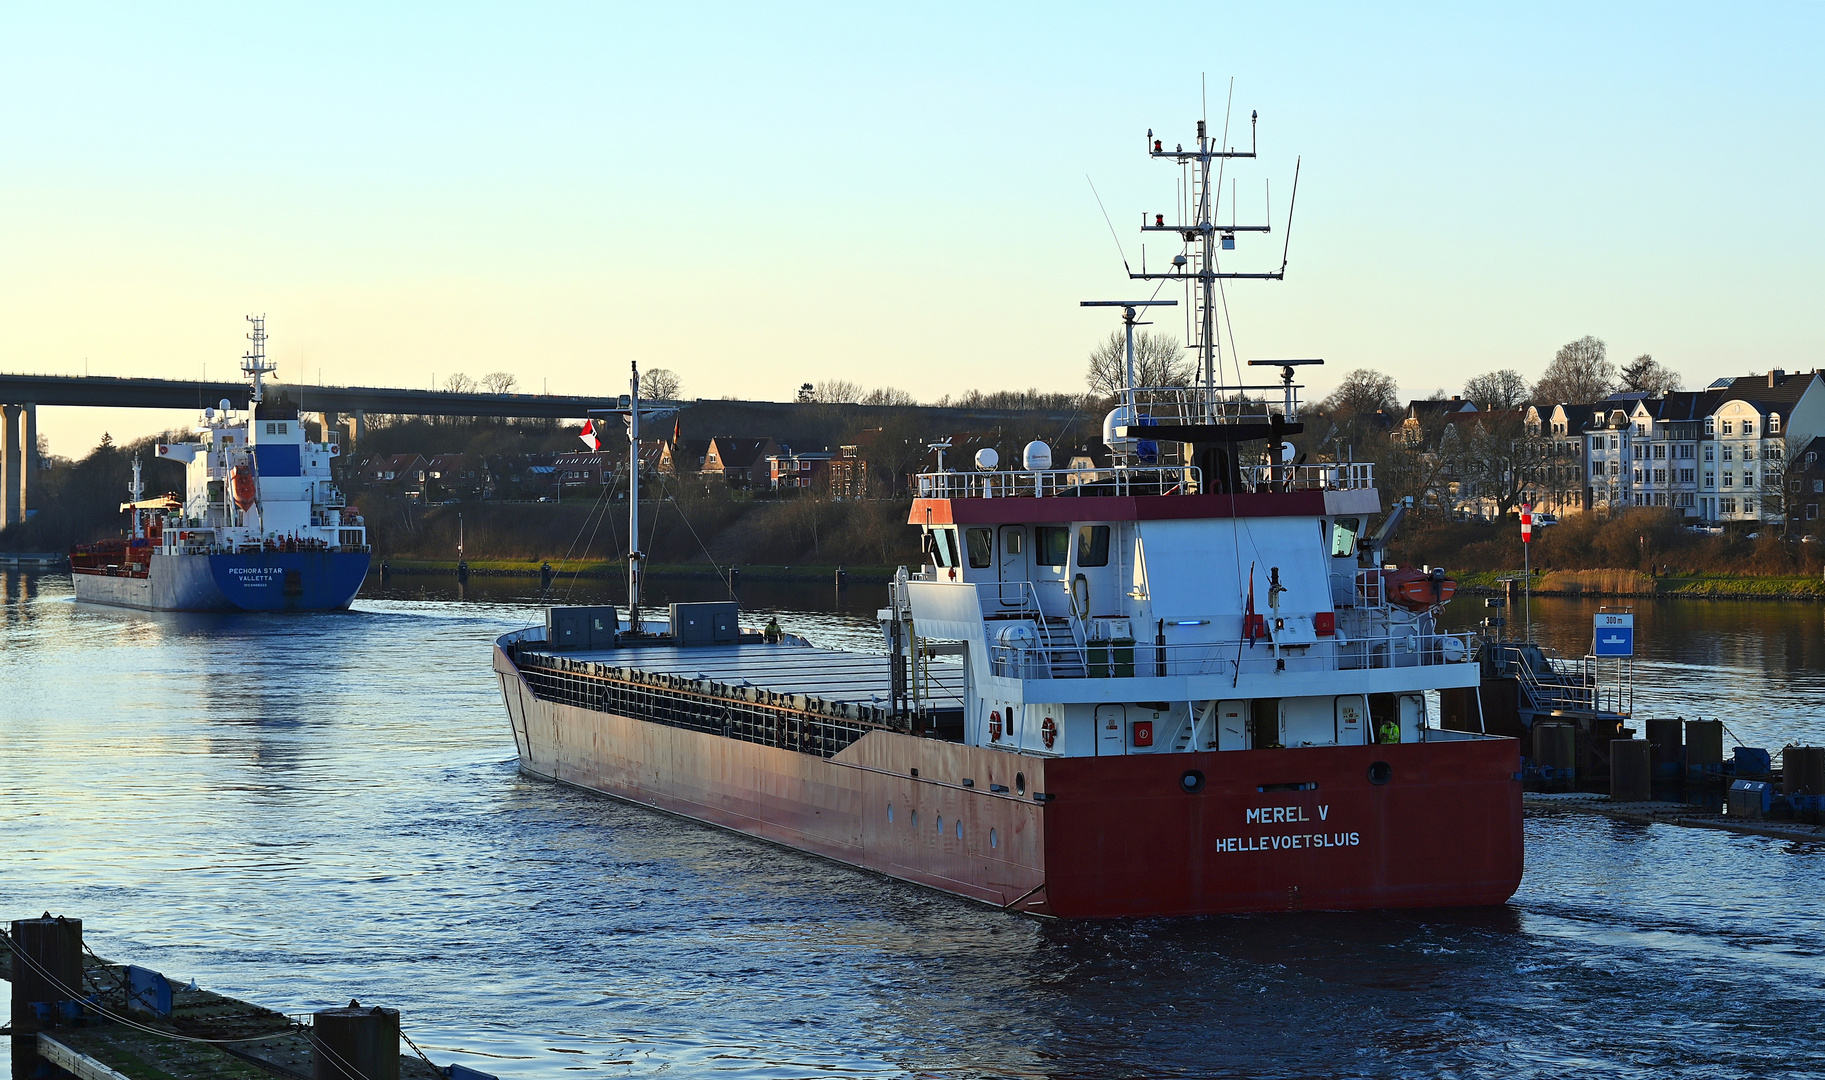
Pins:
x,y
10,469
361,425
28,461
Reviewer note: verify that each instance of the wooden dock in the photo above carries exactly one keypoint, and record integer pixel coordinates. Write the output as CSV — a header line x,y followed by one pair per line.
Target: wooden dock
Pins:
x,y
240,1040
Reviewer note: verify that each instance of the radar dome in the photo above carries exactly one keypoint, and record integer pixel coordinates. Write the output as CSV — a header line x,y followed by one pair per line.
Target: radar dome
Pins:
x,y
987,458
1118,417
1037,457
224,405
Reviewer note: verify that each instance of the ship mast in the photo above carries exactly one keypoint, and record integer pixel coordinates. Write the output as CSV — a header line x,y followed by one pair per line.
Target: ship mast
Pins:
x,y
254,363
1199,266
633,499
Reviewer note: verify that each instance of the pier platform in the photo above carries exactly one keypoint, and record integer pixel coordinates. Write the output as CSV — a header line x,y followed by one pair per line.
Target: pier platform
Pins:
x,y
208,1036
1671,813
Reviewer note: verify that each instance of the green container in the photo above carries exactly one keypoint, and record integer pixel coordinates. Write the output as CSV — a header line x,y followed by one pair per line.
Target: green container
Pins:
x,y
1098,656
1124,657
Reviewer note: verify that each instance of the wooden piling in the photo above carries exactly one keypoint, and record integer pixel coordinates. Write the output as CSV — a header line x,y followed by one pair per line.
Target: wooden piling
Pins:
x,y
47,969
355,1043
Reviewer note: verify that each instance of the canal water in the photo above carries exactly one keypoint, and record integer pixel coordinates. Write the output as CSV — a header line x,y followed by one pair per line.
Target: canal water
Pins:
x,y
303,810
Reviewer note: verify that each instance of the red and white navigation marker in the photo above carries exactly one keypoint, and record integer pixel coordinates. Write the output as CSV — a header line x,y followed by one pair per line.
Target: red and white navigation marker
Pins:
x,y
1527,523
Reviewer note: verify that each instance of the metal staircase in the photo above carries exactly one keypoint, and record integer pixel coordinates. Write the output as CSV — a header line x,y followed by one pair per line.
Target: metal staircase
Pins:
x,y
1064,654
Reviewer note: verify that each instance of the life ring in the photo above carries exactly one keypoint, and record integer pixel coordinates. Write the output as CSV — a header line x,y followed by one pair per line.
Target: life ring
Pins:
x,y
995,725
1049,732
1080,597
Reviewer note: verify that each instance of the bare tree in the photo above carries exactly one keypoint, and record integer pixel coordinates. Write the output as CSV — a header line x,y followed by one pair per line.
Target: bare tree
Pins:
x,y
660,384
1504,389
807,392
1649,376
460,384
887,395
501,382
1363,392
837,392
1158,361
1579,374
1492,458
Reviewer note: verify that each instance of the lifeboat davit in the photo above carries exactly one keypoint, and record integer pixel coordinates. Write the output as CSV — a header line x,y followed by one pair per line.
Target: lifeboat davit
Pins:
x,y
240,482
1418,589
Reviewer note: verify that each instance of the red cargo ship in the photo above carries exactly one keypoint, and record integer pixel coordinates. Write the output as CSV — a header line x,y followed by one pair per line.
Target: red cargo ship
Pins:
x,y
1179,684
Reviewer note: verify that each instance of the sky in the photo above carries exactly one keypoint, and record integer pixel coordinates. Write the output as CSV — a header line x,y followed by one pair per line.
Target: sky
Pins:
x,y
760,196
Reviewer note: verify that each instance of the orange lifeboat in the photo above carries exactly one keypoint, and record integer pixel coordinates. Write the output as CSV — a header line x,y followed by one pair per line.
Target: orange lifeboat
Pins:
x,y
1417,589
241,483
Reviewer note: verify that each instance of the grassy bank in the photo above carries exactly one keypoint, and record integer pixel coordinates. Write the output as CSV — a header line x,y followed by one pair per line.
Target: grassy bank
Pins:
x,y
1630,583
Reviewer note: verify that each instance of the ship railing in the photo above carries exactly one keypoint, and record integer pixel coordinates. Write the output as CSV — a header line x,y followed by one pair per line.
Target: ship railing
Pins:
x,y
1236,658
1194,405
1565,685
1343,476
1122,480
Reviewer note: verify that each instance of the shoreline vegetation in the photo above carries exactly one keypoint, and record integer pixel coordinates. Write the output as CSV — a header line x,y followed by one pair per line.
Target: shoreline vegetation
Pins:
x,y
700,529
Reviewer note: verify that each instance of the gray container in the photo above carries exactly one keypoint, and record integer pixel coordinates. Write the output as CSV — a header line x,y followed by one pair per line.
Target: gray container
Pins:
x,y
706,624
581,627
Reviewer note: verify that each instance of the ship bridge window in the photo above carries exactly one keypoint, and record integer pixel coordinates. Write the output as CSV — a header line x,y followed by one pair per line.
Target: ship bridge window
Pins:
x,y
981,544
1343,537
1054,544
1093,545
944,546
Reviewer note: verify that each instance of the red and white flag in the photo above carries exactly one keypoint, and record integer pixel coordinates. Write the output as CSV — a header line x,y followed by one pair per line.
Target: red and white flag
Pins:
x,y
589,436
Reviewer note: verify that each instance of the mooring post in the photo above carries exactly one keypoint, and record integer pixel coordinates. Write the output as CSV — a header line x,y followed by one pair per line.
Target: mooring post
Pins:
x,y
47,970
355,1043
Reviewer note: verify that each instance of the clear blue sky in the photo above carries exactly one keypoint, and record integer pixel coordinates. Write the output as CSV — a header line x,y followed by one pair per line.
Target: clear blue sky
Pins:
x,y
756,198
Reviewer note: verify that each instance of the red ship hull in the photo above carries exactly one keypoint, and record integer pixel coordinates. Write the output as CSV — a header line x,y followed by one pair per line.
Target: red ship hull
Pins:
x,y
1268,830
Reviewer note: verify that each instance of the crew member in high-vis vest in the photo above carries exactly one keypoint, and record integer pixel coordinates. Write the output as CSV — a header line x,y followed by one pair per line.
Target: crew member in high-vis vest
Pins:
x,y
1390,731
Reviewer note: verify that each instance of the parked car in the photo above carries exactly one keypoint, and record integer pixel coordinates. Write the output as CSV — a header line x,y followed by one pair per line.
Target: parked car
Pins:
x,y
1706,530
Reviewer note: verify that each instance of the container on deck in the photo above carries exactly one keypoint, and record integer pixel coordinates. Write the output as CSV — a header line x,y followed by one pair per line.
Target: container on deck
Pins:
x,y
1751,799
1113,658
1631,771
581,627
706,624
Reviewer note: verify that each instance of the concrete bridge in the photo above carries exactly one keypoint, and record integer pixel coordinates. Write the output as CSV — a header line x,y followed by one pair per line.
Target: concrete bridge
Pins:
x,y
19,421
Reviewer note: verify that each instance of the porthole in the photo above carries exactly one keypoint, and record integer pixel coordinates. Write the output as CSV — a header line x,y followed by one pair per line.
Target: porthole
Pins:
x,y
890,813
940,824
994,841
1381,772
1192,782
959,828
1020,783
915,819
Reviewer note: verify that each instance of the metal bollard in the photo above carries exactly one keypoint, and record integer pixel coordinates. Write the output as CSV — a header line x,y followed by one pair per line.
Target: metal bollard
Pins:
x,y
355,1043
